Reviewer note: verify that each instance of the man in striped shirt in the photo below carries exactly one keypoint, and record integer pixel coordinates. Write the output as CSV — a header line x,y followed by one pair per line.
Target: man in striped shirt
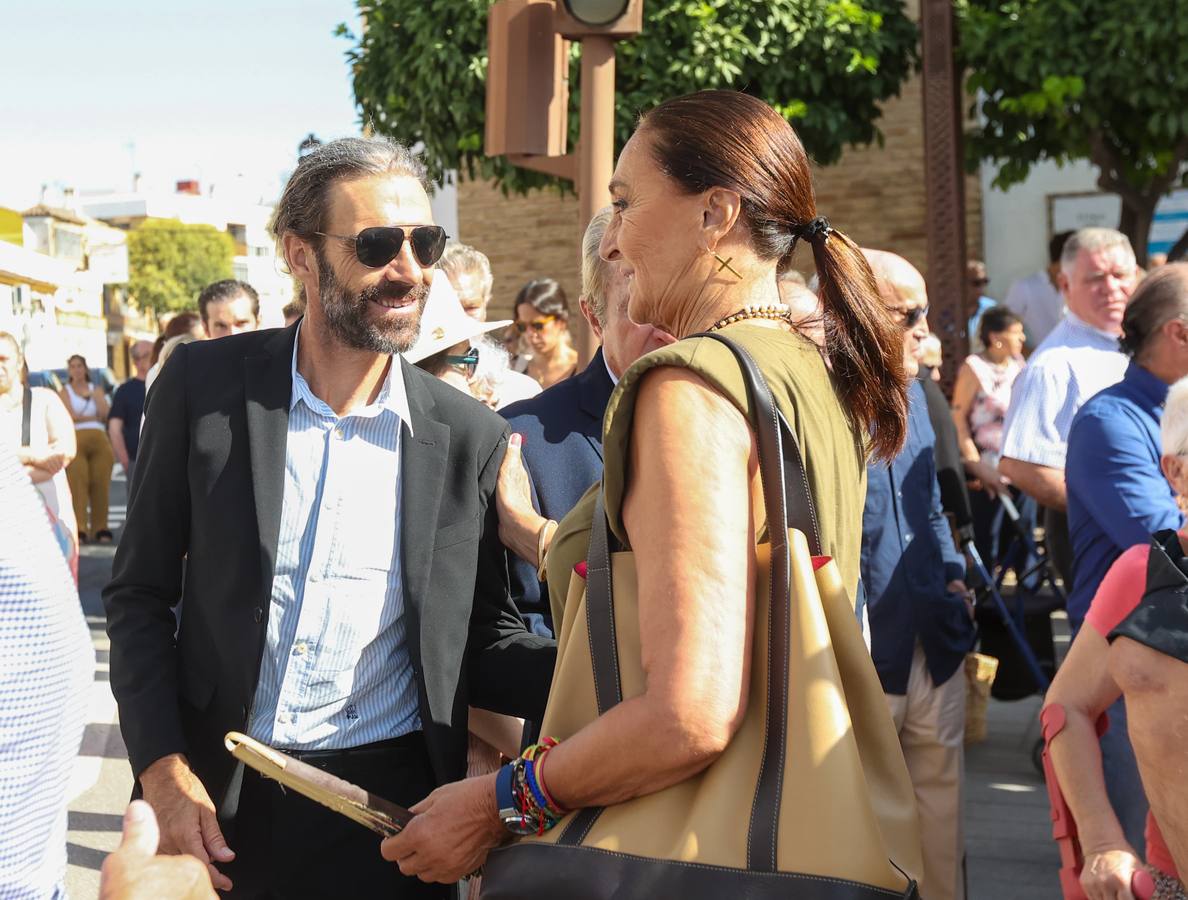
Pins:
x,y
325,511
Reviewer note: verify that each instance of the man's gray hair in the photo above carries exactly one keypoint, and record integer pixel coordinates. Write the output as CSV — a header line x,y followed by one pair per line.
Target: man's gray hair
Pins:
x,y
302,207
594,267
1091,240
462,259
1162,297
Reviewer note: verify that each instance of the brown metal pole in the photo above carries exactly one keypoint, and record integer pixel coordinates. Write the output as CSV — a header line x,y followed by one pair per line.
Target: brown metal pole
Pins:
x,y
596,149
944,178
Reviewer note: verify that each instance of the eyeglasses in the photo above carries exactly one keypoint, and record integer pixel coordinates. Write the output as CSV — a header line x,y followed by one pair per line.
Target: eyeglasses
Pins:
x,y
378,246
910,318
979,282
469,362
537,325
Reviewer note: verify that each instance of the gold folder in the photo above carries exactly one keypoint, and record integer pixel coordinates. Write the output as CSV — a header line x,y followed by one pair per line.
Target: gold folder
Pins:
x,y
359,805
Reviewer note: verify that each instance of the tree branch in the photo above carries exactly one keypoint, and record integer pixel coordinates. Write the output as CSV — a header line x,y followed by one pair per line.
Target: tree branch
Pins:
x,y
1105,157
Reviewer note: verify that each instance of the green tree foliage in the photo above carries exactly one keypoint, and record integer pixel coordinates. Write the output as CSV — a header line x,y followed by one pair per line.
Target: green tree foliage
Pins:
x,y
170,262
420,70
1102,80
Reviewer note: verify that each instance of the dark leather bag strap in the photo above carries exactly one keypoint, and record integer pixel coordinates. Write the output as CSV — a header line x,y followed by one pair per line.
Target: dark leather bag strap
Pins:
x,y
27,417
784,479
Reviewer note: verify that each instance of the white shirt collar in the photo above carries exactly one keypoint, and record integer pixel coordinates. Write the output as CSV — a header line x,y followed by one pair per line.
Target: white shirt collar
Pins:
x,y
1074,319
614,379
393,395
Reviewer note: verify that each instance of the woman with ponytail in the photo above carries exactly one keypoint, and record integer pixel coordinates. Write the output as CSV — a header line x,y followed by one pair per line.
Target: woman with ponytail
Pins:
x,y
712,197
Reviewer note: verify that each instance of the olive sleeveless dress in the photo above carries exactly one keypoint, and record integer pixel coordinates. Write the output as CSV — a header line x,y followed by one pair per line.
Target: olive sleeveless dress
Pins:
x,y
804,392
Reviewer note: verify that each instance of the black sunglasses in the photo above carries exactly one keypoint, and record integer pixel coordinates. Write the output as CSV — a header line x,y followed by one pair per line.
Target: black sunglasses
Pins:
x,y
378,246
535,324
469,362
911,317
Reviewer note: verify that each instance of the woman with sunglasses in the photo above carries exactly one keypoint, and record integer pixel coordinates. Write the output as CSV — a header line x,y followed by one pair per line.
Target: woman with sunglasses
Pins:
x,y
542,321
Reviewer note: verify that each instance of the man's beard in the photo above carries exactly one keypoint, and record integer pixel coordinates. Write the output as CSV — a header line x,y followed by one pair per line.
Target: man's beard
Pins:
x,y
346,316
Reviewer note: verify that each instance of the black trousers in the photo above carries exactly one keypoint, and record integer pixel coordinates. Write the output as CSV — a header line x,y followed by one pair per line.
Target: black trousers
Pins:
x,y
1059,545
289,848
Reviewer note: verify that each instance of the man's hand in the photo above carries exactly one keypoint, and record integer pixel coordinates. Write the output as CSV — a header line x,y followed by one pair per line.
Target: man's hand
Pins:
x,y
186,814
135,872
957,586
453,830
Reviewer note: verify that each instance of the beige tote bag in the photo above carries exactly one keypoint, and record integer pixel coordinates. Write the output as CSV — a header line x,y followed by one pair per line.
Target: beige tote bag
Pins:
x,y
810,800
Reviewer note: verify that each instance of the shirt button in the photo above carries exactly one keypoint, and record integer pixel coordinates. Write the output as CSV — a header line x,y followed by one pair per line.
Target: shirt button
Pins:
x,y
315,576
284,718
258,614
908,536
299,648
336,434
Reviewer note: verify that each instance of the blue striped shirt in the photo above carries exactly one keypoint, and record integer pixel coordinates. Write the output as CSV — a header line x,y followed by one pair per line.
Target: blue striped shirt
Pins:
x,y
1073,363
336,670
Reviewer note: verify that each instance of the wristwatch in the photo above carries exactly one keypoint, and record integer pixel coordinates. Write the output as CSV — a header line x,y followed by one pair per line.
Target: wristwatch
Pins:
x,y
510,817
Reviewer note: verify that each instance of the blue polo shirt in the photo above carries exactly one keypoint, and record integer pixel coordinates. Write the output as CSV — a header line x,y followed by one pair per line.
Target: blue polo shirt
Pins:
x,y
908,558
1117,495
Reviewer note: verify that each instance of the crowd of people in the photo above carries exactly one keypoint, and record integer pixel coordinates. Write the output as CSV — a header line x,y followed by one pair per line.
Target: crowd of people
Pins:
x,y
378,540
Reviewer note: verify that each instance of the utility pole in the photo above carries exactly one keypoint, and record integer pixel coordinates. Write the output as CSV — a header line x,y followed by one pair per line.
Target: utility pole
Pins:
x,y
528,96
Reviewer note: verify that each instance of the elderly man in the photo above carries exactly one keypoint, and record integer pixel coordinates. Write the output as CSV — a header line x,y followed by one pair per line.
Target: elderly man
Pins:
x,y
920,623
229,307
1117,496
560,431
325,511
469,271
127,409
1079,358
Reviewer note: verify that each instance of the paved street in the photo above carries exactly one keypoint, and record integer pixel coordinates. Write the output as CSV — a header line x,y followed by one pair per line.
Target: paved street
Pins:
x,y
1011,854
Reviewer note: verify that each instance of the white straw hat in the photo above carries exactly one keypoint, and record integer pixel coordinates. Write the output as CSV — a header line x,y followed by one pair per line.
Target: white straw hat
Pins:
x,y
445,323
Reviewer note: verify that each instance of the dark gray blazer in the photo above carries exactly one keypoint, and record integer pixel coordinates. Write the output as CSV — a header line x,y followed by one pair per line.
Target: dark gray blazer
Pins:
x,y
203,524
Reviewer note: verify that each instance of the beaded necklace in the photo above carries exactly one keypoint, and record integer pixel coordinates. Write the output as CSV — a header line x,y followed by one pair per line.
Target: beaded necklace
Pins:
x,y
777,311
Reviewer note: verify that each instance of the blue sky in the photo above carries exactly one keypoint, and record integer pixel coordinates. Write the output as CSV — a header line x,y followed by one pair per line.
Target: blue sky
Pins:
x,y
220,91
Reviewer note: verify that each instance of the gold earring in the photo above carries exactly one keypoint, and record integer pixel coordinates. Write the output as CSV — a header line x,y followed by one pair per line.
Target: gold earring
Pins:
x,y
725,264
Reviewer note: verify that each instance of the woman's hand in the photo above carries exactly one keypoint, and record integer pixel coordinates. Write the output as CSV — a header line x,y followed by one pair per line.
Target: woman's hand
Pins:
x,y
519,522
1106,875
451,833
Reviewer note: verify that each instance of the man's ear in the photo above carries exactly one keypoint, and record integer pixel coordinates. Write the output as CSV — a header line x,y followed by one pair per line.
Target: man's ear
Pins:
x,y
1170,466
591,319
1062,282
300,258
721,211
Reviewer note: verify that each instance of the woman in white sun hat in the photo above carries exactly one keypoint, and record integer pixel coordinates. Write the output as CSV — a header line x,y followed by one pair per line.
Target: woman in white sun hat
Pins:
x,y
452,347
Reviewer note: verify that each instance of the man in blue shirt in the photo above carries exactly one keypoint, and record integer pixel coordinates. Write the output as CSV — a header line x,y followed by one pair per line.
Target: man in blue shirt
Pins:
x,y
127,409
1117,496
920,622
561,428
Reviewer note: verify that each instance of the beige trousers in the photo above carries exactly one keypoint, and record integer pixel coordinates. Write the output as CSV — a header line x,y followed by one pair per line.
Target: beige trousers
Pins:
x,y
931,725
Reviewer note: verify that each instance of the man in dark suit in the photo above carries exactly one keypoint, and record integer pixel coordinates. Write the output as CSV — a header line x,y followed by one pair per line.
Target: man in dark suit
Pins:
x,y
324,511
561,428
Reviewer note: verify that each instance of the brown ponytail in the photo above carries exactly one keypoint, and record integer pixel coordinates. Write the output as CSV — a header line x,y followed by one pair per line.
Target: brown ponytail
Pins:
x,y
863,343
733,140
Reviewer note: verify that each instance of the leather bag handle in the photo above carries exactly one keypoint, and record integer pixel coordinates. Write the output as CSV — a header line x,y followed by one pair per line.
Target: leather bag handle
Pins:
x,y
782,472
27,417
